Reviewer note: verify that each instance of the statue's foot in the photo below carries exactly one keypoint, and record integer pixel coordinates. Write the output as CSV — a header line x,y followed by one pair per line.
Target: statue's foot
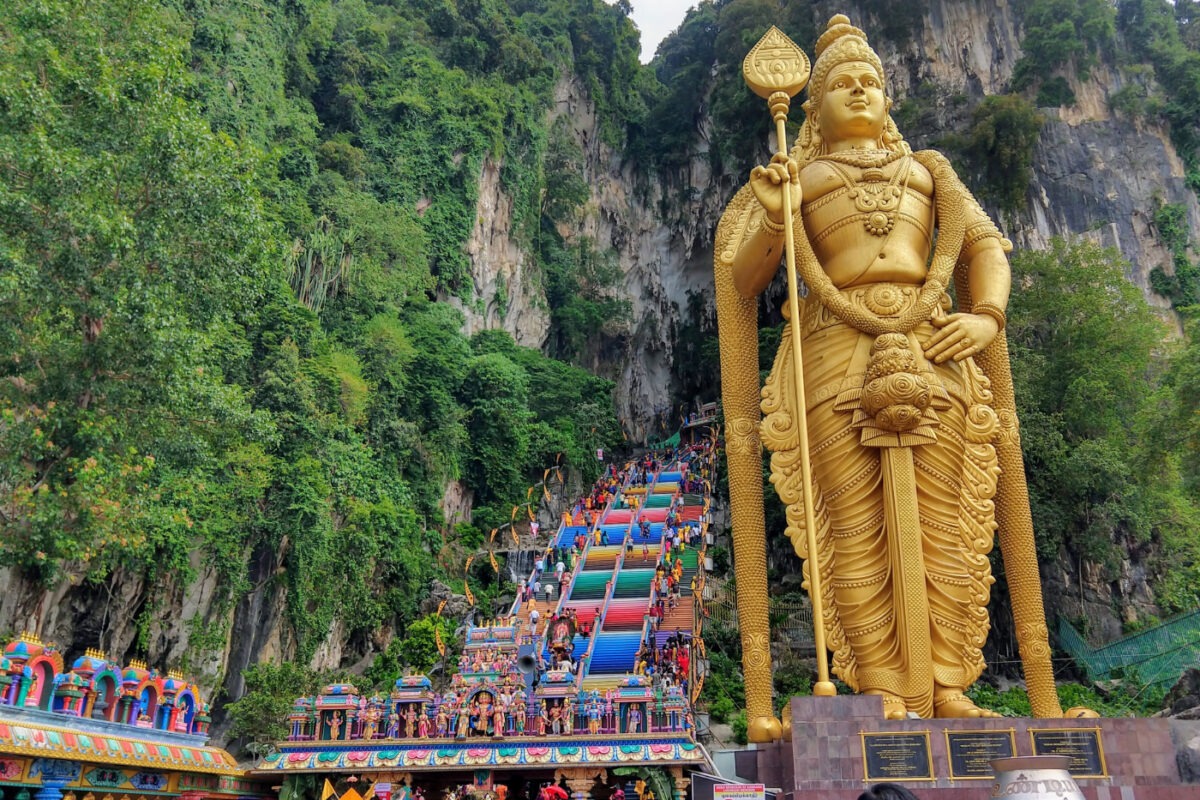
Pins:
x,y
893,707
763,729
953,704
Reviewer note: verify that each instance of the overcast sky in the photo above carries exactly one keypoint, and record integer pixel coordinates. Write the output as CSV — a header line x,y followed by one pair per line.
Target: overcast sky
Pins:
x,y
655,19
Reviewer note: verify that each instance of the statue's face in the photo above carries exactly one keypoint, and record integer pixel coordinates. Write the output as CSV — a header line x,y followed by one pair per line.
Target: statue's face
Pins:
x,y
853,104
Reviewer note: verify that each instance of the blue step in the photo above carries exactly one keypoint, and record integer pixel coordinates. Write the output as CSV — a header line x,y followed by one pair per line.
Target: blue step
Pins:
x,y
614,653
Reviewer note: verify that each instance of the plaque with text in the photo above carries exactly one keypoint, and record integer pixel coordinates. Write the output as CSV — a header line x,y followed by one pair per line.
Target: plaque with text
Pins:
x,y
897,756
1081,745
971,752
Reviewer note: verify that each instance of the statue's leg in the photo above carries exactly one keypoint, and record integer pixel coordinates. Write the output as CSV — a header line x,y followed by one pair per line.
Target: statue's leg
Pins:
x,y
851,481
958,574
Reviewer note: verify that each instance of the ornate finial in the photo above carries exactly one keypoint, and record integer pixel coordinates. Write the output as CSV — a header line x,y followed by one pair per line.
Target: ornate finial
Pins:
x,y
175,674
775,64
96,654
137,663
839,26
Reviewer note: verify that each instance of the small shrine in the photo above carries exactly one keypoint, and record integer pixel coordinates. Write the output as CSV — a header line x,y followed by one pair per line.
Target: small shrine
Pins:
x,y
103,730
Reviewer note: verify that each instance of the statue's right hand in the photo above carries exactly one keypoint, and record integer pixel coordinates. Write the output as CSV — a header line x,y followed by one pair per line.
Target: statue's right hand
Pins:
x,y
767,183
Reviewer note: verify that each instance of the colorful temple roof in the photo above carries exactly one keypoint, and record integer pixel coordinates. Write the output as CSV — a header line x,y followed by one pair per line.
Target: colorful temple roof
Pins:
x,y
101,727
46,741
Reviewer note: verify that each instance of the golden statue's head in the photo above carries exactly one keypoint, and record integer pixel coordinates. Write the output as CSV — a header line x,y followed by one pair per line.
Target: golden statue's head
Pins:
x,y
842,45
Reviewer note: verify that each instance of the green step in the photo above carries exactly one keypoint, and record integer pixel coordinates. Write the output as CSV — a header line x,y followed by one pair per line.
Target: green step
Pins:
x,y
589,585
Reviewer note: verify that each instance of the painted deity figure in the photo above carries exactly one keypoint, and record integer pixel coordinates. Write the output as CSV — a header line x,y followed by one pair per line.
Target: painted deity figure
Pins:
x,y
633,719
371,724
410,722
519,715
423,724
498,721
335,724
463,722
900,420
441,722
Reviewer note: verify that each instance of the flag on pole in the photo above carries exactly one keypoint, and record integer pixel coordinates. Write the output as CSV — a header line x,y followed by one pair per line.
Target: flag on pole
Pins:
x,y
492,558
467,592
328,791
514,514
437,637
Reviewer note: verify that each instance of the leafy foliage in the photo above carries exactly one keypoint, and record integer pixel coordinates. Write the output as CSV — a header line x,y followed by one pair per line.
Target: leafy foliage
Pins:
x,y
1004,130
1089,359
1058,34
224,229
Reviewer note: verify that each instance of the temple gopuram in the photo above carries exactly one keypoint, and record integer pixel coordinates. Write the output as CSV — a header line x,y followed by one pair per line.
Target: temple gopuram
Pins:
x,y
100,731
591,670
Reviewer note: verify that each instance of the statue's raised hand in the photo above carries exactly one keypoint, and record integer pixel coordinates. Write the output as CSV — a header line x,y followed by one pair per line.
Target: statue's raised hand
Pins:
x,y
767,183
960,336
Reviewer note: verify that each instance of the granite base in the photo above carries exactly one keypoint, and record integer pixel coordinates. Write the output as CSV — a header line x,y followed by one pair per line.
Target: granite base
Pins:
x,y
825,758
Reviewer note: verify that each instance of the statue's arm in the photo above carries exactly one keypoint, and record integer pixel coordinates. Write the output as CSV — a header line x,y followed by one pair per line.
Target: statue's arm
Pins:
x,y
757,260
988,274
759,252
984,255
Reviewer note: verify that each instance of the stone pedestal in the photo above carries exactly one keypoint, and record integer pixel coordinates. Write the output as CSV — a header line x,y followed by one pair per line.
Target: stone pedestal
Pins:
x,y
825,759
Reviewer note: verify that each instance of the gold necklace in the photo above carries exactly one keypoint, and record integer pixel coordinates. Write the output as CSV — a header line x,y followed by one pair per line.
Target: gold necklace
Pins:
x,y
863,159
876,200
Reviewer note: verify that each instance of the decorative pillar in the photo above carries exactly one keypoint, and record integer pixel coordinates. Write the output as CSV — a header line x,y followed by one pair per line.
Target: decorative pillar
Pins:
x,y
580,782
682,782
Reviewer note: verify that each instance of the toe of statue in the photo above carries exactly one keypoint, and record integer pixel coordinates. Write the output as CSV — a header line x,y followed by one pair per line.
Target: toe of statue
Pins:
x,y
763,729
959,706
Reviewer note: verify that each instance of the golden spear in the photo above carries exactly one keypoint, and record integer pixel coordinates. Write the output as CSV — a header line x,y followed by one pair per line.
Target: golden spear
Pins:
x,y
776,69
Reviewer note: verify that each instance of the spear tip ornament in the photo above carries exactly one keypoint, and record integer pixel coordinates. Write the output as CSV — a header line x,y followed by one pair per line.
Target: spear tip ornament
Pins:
x,y
776,64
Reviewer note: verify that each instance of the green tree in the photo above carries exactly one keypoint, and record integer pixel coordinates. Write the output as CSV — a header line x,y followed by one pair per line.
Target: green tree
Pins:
x,y
1088,359
1004,130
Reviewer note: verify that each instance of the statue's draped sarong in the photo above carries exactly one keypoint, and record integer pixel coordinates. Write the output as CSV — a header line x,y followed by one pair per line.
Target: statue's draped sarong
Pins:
x,y
870,621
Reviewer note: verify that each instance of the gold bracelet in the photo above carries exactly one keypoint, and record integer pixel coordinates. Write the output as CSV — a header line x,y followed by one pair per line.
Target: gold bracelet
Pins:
x,y
772,227
988,309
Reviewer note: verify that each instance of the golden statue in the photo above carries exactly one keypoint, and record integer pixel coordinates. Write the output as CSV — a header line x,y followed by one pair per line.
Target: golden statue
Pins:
x,y
909,404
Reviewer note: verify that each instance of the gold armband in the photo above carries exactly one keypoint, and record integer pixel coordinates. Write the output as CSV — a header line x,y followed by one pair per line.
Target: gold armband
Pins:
x,y
986,309
772,227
